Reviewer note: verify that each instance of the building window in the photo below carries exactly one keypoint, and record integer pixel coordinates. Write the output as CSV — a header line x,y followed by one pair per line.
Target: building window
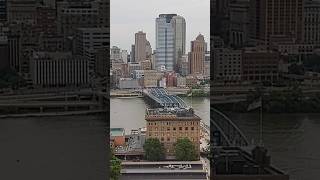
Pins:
x,y
168,139
162,139
180,128
186,128
168,128
174,128
192,128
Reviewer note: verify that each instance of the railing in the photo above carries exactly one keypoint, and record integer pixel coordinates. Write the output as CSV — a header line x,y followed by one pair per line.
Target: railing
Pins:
x,y
231,135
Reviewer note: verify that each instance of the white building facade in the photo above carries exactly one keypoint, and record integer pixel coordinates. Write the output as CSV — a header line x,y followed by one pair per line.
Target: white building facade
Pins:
x,y
59,69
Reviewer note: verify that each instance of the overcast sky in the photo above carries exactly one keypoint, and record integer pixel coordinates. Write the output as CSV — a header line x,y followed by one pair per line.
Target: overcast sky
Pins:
x,y
130,16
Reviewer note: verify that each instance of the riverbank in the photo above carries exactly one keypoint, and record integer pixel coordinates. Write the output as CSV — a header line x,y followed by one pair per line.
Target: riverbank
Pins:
x,y
53,114
129,113
275,106
182,92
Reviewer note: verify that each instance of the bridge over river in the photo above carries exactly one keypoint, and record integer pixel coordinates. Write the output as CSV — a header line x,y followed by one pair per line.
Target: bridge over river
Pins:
x,y
225,132
159,97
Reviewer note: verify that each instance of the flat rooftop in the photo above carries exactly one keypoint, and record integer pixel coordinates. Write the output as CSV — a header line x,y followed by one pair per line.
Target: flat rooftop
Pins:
x,y
162,170
160,162
117,132
171,113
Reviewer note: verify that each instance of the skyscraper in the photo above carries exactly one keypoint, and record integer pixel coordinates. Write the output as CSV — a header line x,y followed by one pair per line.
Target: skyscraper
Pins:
x,y
197,55
165,42
124,56
220,19
89,40
140,46
115,53
170,41
312,22
81,14
148,50
239,23
132,54
22,11
179,26
271,19
3,10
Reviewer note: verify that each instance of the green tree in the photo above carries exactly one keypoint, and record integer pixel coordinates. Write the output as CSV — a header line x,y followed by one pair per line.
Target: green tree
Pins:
x,y
154,150
185,150
115,166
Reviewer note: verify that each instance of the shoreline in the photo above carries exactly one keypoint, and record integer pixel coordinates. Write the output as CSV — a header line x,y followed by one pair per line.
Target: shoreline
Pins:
x,y
52,114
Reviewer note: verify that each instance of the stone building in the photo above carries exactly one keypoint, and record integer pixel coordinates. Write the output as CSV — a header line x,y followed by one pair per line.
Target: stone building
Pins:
x,y
170,125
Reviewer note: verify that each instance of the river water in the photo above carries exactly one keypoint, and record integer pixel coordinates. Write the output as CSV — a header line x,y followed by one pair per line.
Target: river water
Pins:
x,y
291,139
129,113
51,148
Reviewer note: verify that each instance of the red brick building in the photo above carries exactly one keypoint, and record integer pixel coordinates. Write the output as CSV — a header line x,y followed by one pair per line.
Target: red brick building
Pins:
x,y
260,65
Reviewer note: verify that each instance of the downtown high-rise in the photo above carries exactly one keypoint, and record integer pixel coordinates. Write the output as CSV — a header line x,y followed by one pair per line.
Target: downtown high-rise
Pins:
x,y
276,19
179,26
140,46
170,41
197,55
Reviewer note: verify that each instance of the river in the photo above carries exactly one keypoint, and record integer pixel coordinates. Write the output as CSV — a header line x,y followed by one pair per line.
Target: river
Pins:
x,y
129,113
51,148
291,139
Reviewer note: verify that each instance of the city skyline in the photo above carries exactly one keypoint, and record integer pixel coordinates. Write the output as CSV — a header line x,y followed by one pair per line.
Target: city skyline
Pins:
x,y
123,28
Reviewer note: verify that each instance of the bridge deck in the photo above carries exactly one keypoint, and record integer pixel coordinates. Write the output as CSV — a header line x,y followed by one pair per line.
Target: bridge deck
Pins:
x,y
161,96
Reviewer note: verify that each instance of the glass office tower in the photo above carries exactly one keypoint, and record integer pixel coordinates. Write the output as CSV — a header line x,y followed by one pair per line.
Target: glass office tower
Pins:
x,y
165,43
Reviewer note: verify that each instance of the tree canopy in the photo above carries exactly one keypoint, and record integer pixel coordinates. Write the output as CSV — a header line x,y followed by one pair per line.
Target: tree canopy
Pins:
x,y
154,150
115,166
185,150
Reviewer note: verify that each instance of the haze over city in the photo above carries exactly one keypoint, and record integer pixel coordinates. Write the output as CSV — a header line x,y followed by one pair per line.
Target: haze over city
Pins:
x,y
125,20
